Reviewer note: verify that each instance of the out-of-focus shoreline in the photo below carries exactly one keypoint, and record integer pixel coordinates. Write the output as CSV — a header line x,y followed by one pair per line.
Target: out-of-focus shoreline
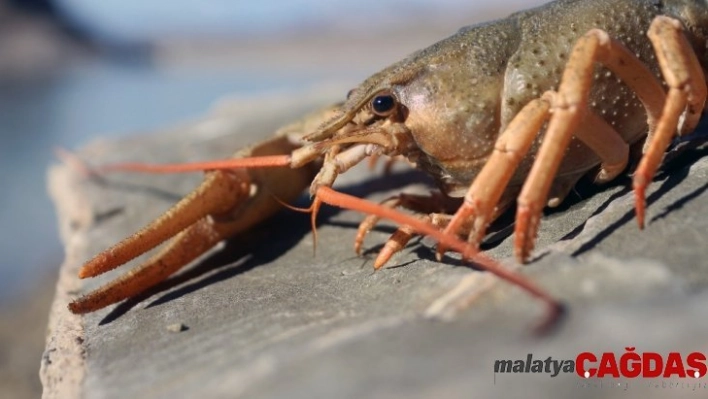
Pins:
x,y
368,48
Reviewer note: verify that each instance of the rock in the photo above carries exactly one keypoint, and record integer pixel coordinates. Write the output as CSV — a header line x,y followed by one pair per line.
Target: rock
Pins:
x,y
268,319
176,327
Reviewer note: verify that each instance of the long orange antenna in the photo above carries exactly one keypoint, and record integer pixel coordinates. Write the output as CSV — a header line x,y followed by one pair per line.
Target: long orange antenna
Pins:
x,y
329,196
268,161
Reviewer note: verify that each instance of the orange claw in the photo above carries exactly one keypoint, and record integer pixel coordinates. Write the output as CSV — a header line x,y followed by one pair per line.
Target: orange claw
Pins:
x,y
217,195
187,246
226,203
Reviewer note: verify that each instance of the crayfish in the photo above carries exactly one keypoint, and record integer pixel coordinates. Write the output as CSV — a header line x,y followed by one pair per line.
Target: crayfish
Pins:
x,y
515,111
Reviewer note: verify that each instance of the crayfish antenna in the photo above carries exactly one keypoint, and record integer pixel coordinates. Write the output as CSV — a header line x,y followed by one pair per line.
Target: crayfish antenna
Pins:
x,y
555,316
316,204
555,308
223,164
313,210
78,164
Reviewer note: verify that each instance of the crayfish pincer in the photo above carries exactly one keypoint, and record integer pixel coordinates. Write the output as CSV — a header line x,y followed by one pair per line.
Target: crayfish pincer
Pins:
x,y
512,111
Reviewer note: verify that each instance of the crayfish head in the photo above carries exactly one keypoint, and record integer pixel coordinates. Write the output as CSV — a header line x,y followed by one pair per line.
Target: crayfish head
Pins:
x,y
421,112
373,115
441,108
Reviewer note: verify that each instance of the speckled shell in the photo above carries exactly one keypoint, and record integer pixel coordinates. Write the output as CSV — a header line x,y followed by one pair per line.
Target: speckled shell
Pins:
x,y
460,93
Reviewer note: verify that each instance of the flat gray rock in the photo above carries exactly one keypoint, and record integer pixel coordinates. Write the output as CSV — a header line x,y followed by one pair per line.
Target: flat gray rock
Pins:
x,y
261,317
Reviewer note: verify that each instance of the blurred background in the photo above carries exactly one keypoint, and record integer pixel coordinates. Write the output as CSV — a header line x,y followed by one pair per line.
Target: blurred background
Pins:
x,y
75,70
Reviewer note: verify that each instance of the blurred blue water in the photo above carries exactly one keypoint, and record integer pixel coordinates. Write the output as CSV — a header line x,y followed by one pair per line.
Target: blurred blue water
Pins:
x,y
137,20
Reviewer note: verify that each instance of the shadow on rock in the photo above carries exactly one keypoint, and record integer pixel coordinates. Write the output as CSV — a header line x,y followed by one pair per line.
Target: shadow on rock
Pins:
x,y
261,245
673,174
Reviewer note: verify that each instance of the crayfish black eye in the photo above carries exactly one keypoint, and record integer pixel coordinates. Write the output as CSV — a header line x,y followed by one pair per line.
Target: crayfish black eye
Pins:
x,y
383,105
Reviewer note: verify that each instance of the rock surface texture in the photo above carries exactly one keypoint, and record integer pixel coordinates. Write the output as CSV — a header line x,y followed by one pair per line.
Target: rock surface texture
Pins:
x,y
261,317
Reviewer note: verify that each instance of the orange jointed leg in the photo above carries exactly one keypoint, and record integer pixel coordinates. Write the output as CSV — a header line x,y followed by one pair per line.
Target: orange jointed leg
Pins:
x,y
329,196
569,108
487,188
396,242
687,97
426,207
